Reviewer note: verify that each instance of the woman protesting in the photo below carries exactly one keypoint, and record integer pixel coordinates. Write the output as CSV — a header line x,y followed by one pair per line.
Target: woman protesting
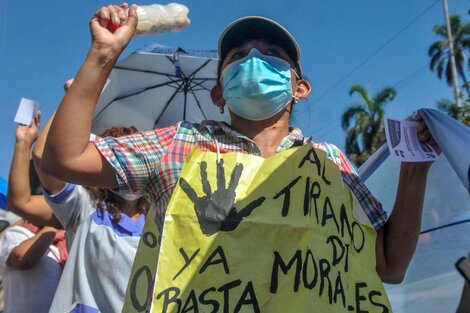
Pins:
x,y
259,81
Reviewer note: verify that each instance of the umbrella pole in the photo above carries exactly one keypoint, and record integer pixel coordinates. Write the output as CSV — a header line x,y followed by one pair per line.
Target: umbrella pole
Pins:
x,y
197,102
186,87
166,106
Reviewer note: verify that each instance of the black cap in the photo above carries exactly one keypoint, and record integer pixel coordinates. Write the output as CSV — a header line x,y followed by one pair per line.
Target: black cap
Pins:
x,y
261,27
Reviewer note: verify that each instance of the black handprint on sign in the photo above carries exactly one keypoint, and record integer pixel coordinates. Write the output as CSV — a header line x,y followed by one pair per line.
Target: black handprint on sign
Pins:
x,y
215,211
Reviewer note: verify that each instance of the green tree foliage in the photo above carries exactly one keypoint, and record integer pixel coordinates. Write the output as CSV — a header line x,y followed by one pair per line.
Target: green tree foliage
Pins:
x,y
439,51
363,123
461,113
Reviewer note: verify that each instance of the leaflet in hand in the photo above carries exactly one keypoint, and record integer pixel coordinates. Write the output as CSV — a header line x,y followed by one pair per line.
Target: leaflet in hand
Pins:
x,y
27,110
403,142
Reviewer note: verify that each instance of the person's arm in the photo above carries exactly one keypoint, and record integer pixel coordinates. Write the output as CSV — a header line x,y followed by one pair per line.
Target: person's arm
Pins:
x,y
49,183
68,155
19,199
27,254
397,239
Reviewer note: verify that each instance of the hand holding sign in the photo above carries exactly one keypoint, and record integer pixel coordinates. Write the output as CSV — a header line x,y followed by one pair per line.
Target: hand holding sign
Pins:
x,y
410,141
215,211
425,136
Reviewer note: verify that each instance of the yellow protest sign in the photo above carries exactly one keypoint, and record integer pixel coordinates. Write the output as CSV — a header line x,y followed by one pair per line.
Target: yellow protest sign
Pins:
x,y
141,281
248,234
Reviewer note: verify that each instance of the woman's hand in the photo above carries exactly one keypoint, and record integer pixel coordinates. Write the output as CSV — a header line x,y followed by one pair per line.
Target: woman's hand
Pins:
x,y
425,136
28,134
112,28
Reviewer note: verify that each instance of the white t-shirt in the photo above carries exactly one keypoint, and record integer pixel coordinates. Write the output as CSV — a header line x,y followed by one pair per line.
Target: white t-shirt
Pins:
x,y
101,254
28,290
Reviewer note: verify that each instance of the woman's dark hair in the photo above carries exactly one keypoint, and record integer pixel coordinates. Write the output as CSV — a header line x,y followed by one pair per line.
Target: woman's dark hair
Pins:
x,y
107,199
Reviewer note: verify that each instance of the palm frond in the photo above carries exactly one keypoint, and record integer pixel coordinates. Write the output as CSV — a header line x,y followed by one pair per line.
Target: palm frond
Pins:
x,y
351,112
466,41
440,30
362,137
439,50
435,60
368,135
385,95
351,144
440,68
435,48
455,24
466,29
356,88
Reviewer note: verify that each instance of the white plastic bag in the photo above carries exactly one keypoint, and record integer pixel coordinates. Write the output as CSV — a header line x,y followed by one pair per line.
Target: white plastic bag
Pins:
x,y
156,18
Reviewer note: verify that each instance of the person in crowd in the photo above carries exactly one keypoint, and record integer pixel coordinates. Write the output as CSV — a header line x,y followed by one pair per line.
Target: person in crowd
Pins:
x,y
31,266
103,231
31,256
255,50
31,205
4,225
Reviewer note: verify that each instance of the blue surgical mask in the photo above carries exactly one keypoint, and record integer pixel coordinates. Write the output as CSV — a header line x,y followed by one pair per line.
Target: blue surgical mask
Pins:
x,y
258,86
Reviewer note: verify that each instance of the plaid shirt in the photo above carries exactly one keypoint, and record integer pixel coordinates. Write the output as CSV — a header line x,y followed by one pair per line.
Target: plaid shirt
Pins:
x,y
151,162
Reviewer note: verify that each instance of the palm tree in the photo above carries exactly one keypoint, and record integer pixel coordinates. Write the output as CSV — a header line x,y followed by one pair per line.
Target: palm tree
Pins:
x,y
366,134
440,53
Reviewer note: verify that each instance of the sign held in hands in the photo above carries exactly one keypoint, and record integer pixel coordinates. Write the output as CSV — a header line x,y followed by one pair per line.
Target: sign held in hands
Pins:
x,y
403,142
27,110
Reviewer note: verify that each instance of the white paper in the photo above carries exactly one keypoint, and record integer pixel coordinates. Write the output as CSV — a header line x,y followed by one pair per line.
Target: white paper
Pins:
x,y
403,142
27,110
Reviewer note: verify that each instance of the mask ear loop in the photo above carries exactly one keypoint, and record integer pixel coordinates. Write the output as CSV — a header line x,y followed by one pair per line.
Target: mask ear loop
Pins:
x,y
295,73
296,99
220,82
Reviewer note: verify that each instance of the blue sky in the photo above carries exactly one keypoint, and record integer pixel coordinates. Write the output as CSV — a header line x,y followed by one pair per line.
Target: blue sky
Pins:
x,y
43,43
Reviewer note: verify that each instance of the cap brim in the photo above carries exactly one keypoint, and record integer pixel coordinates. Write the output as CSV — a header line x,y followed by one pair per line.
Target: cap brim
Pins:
x,y
260,27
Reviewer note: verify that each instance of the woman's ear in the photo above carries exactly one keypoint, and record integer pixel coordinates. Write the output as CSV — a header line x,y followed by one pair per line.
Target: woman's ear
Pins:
x,y
303,89
217,97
